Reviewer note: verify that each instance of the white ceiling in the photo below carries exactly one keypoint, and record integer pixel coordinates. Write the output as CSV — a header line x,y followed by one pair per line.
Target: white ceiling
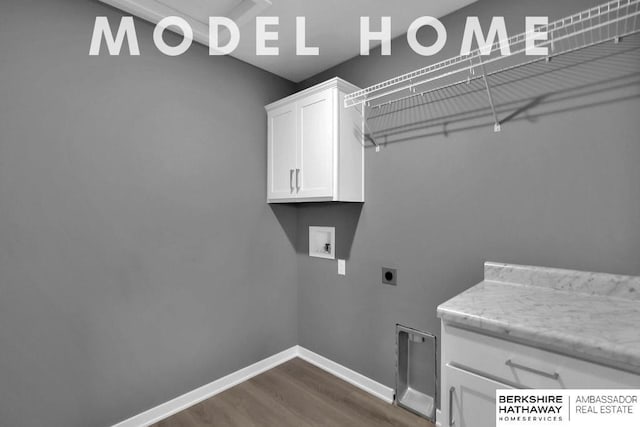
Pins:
x,y
332,25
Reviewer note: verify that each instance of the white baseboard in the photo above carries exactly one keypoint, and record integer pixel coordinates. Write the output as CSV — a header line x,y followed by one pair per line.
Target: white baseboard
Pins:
x,y
380,391
191,398
438,418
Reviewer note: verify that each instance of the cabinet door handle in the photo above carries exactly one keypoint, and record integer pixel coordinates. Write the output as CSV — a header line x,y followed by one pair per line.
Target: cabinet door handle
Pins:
x,y
297,180
291,180
451,420
510,363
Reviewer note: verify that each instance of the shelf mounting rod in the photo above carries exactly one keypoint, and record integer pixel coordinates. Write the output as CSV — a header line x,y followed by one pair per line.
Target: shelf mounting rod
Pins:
x,y
496,122
366,127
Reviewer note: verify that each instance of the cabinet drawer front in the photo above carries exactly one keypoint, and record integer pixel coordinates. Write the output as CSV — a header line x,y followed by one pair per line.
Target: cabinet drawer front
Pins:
x,y
528,367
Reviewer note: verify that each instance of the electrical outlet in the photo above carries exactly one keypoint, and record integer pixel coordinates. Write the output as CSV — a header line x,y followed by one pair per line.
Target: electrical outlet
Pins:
x,y
390,276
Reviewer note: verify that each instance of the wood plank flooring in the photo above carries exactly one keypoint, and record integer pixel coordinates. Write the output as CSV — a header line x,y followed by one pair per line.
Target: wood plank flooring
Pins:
x,y
294,394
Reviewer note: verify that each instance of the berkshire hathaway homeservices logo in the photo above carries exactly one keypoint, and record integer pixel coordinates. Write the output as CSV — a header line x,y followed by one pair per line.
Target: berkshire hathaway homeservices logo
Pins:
x,y
534,407
576,408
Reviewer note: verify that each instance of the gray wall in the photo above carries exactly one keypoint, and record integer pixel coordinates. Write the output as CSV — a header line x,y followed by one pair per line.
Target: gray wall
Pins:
x,y
554,188
138,258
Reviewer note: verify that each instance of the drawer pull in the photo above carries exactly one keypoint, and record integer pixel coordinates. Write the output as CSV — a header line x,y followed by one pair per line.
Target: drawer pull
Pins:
x,y
451,420
515,365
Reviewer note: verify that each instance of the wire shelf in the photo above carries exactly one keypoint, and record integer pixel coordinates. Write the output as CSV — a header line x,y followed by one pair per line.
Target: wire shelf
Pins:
x,y
478,73
524,91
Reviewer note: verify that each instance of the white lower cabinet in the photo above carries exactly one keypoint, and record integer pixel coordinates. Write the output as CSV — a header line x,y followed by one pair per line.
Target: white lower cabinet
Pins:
x,y
469,398
475,365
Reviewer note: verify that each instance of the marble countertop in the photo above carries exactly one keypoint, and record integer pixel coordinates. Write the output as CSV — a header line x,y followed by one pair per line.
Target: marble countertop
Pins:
x,y
577,313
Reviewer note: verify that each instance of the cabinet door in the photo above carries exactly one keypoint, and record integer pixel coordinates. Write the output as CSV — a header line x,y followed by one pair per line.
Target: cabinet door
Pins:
x,y
317,141
471,399
282,152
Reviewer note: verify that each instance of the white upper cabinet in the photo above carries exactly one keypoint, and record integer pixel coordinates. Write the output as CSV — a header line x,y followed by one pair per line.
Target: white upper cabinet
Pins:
x,y
315,147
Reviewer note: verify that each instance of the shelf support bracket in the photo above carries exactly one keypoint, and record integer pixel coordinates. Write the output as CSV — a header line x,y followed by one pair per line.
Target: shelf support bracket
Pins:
x,y
496,122
366,128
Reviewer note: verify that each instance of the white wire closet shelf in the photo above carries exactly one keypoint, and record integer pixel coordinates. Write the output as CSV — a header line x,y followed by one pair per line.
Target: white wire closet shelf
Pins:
x,y
592,36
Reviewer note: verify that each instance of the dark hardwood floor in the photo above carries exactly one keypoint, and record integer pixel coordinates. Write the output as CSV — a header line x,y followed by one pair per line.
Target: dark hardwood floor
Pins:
x,y
294,394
